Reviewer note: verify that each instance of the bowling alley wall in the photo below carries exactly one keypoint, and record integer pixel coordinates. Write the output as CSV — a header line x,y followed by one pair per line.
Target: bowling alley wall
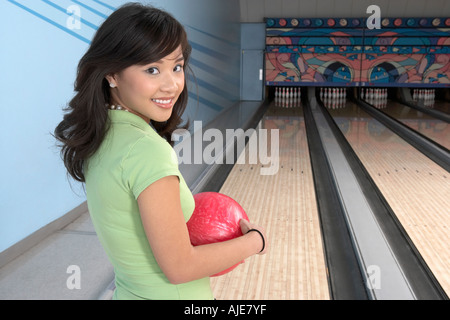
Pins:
x,y
404,52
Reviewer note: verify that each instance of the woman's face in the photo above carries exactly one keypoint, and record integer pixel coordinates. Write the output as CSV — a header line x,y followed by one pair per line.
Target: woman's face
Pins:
x,y
150,91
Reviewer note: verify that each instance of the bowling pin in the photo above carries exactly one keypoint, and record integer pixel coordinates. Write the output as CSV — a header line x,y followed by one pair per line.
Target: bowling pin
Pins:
x,y
294,98
276,96
289,98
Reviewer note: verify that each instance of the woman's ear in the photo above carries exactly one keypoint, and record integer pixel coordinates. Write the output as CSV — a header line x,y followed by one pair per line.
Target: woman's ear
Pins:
x,y
112,81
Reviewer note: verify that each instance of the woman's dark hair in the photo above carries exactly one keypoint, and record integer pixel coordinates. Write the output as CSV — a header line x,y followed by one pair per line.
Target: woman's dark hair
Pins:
x,y
134,34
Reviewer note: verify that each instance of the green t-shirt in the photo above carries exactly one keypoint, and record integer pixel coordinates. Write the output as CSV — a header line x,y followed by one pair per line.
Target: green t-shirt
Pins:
x,y
132,157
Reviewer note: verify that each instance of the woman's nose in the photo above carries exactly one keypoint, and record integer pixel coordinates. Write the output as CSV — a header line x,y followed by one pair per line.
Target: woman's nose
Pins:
x,y
170,83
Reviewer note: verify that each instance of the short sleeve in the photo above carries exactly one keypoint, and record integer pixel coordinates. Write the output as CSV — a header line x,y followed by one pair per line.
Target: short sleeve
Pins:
x,y
148,160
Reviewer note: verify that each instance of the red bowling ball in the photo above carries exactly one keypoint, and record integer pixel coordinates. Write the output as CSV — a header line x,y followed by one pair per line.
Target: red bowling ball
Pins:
x,y
215,219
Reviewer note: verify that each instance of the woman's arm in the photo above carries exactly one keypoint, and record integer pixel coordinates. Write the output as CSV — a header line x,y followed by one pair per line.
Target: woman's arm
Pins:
x,y
167,233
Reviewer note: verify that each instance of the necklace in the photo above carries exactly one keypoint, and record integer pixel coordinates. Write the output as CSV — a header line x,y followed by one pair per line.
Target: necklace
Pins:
x,y
117,107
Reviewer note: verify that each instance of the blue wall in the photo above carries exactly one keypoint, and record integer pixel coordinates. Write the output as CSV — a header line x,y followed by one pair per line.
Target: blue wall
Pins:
x,y
39,55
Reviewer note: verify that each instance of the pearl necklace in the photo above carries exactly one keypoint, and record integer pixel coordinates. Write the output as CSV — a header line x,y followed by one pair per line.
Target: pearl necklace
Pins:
x,y
117,107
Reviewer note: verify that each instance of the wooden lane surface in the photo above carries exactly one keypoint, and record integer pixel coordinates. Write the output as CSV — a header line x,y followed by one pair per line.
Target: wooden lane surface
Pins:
x,y
285,205
416,188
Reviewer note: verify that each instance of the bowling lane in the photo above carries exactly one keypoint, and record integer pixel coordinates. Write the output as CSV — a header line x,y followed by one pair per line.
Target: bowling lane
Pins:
x,y
434,129
415,187
441,106
285,204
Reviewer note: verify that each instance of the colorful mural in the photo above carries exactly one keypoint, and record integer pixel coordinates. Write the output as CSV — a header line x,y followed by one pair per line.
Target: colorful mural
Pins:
x,y
342,52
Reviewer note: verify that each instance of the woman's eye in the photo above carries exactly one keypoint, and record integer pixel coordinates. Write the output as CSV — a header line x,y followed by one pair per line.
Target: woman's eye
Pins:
x,y
153,70
178,68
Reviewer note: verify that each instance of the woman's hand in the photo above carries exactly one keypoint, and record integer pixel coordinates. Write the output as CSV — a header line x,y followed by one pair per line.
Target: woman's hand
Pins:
x,y
246,226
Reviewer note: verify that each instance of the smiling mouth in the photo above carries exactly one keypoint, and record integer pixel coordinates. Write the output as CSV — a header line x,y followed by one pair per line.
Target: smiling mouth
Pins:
x,y
162,101
165,103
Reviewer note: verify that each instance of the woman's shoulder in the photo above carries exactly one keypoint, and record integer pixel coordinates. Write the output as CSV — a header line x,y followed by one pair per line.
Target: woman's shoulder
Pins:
x,y
148,159
149,146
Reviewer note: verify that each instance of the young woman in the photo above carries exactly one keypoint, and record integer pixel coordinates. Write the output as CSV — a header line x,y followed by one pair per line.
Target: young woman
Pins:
x,y
130,96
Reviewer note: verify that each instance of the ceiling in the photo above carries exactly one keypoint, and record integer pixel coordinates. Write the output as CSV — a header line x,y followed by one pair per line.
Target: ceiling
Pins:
x,y
253,11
